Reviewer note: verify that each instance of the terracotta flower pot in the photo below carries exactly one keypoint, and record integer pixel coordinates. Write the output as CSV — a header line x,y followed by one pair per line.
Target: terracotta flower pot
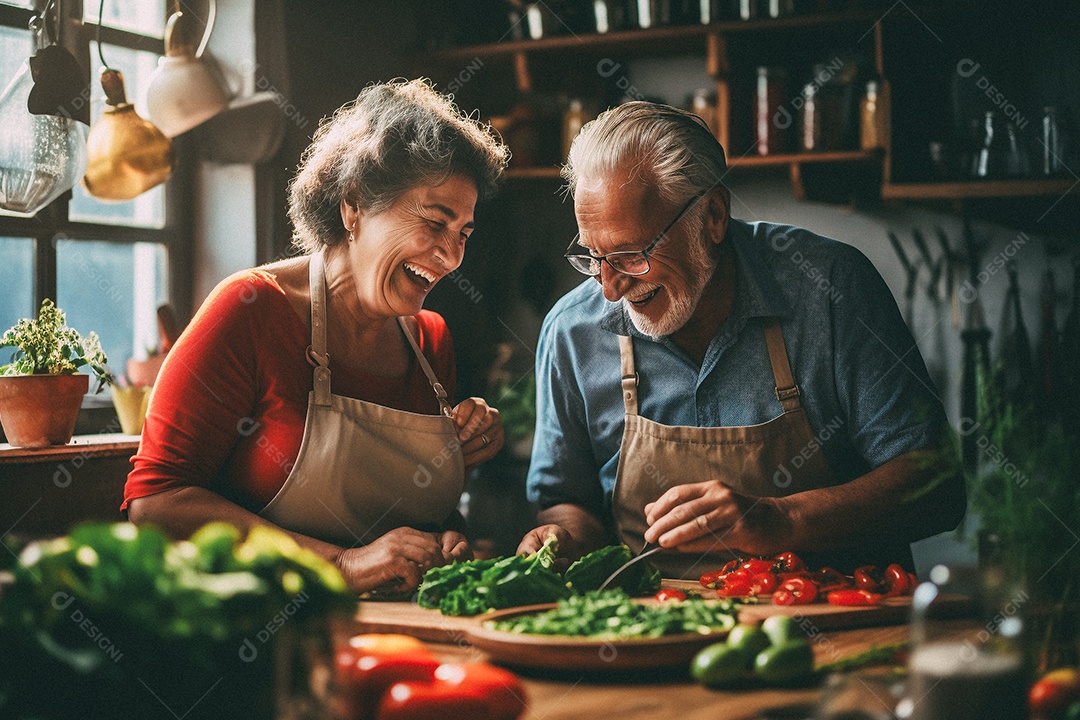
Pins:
x,y
40,410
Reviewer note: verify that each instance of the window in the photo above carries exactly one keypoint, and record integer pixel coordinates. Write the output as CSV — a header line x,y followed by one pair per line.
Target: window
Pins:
x,y
106,264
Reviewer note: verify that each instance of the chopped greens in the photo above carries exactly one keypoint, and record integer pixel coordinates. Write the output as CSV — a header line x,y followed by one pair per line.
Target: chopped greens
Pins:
x,y
613,614
476,586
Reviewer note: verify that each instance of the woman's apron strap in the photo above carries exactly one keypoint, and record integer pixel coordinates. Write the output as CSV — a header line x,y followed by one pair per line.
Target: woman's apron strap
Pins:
x,y
316,351
440,391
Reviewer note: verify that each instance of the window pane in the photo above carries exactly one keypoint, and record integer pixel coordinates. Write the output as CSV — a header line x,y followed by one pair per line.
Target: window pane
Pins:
x,y
17,279
146,17
113,289
148,209
19,3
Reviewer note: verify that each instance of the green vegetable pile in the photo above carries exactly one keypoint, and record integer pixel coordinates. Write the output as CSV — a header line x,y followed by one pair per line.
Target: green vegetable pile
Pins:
x,y
612,614
476,586
115,621
777,652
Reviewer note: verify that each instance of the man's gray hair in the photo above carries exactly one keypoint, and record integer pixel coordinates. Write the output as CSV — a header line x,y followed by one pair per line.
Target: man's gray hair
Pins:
x,y
393,137
660,143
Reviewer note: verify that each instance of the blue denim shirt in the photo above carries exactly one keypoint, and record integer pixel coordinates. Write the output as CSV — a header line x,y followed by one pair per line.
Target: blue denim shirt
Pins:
x,y
863,382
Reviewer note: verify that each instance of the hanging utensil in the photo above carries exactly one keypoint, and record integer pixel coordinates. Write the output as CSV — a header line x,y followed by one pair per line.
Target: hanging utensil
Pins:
x,y
646,551
952,266
912,271
976,339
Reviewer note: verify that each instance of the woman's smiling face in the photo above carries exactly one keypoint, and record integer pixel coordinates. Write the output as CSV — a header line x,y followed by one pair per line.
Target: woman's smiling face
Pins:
x,y
398,254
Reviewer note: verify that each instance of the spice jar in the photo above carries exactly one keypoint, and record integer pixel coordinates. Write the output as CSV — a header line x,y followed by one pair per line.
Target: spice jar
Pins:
x,y
870,116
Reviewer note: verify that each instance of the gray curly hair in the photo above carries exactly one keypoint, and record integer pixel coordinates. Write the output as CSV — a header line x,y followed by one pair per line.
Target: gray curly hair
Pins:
x,y
394,136
670,146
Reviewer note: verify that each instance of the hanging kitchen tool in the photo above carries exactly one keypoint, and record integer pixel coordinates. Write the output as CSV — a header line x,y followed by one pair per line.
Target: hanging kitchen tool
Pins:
x,y
952,267
1017,368
126,154
936,351
184,90
1069,359
911,270
1048,391
976,339
43,111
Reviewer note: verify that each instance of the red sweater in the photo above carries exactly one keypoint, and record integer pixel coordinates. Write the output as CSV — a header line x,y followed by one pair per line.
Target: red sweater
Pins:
x,y
228,409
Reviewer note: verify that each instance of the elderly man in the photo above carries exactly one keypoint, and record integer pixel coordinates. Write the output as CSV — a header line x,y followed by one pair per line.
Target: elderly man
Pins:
x,y
724,387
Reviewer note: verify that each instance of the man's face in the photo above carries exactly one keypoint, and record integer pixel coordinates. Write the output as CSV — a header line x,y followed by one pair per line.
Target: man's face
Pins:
x,y
618,215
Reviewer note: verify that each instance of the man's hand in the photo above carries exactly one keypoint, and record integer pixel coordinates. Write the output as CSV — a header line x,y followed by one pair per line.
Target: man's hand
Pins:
x,y
710,516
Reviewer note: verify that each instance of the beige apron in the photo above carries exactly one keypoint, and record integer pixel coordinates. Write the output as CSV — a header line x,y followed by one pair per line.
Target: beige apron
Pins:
x,y
365,469
776,458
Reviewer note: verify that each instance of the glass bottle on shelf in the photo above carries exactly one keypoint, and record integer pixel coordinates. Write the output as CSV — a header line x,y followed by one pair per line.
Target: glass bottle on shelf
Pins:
x,y
769,131
869,119
1001,155
810,120
1053,143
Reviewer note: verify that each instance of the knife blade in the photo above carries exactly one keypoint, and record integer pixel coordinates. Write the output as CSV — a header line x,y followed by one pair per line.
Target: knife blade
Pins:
x,y
640,556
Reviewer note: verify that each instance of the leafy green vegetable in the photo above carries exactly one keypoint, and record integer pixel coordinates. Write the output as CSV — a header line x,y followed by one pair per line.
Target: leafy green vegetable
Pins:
x,y
476,586
117,611
590,572
612,614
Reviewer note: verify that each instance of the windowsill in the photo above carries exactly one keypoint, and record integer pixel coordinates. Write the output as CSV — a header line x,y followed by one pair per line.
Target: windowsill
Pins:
x,y
98,446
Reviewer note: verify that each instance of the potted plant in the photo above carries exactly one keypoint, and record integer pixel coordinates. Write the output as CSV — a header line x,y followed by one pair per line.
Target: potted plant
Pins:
x,y
41,389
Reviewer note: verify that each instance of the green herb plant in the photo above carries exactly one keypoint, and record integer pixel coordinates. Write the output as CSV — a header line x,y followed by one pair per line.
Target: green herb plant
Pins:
x,y
47,346
476,586
1027,498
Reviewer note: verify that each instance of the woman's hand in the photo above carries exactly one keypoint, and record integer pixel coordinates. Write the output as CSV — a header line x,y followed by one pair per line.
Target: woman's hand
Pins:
x,y
399,559
480,430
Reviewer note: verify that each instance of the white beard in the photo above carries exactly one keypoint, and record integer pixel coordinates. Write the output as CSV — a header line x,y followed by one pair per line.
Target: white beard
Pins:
x,y
681,307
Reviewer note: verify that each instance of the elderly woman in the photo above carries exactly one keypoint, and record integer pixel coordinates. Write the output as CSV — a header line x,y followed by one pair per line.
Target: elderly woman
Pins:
x,y
313,393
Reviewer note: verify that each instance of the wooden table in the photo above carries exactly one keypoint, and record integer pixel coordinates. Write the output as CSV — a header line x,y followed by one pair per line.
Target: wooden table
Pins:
x,y
642,696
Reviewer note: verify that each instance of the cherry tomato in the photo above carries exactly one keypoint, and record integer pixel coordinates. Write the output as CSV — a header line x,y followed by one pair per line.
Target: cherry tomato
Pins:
x,y
897,581
783,597
710,579
853,597
738,589
741,575
790,562
868,578
755,566
829,579
801,590
764,583
670,594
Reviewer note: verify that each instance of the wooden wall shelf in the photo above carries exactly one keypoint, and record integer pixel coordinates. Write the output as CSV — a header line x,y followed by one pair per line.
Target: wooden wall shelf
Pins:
x,y
978,189
649,40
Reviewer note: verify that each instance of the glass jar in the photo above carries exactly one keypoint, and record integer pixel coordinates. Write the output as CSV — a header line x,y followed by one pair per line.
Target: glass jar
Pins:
x,y
960,670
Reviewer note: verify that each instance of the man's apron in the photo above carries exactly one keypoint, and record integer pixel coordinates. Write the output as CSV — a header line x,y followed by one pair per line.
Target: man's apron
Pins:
x,y
365,469
754,460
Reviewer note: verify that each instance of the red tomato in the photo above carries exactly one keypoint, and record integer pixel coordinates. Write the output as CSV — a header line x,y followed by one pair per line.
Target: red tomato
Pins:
x,y
710,579
783,597
764,583
790,562
868,578
756,566
1054,692
738,589
897,581
853,597
802,590
666,594
829,579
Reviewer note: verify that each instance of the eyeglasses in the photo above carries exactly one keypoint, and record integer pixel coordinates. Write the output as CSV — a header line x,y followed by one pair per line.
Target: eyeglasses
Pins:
x,y
627,262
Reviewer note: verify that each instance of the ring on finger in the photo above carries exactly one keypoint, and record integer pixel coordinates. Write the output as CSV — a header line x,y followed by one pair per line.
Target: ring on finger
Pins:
x,y
484,438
